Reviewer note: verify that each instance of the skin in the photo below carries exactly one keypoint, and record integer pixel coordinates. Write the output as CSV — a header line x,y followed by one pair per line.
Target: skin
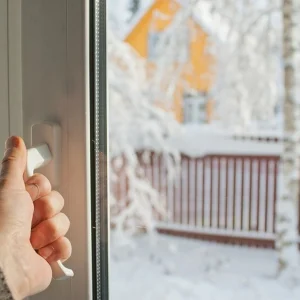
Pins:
x,y
32,227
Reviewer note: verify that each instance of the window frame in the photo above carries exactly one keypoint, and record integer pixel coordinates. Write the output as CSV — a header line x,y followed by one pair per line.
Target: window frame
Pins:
x,y
4,104
46,77
194,108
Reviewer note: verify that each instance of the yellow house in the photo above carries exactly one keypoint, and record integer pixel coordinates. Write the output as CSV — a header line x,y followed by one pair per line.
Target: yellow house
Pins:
x,y
196,71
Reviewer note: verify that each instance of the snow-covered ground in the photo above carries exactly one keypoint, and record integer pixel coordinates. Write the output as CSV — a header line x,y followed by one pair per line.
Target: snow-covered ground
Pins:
x,y
169,268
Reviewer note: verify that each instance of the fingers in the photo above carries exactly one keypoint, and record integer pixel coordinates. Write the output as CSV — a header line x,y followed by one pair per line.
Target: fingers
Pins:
x,y
61,249
49,231
38,186
47,207
13,164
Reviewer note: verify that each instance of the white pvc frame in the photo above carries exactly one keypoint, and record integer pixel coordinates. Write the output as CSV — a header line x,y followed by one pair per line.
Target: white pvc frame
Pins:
x,y
44,48
4,105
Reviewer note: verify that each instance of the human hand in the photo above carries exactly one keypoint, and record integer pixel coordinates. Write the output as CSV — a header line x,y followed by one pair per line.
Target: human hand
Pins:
x,y
32,228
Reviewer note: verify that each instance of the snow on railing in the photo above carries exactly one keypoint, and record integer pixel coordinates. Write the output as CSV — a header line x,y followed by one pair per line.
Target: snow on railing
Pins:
x,y
217,193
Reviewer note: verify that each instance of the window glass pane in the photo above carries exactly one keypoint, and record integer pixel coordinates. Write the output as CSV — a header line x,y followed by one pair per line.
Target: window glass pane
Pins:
x,y
195,150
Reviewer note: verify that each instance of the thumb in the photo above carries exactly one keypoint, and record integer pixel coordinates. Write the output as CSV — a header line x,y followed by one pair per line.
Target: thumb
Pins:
x,y
13,164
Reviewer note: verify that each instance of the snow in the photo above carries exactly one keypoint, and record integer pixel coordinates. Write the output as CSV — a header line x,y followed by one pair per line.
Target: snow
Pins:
x,y
119,11
215,27
217,231
247,88
169,268
134,121
198,141
248,69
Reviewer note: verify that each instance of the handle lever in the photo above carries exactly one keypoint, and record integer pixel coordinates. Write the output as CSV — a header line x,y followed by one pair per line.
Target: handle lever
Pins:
x,y
38,157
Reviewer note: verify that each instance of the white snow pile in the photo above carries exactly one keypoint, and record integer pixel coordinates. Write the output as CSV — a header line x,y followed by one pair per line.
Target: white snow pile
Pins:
x,y
169,268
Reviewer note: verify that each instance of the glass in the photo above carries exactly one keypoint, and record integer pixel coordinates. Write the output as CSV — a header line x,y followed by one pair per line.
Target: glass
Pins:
x,y
195,182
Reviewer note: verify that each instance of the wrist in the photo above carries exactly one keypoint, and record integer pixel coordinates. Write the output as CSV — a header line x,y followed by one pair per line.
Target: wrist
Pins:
x,y
14,275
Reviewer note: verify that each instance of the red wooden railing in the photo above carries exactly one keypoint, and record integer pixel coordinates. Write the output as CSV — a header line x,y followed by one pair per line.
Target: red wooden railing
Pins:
x,y
225,198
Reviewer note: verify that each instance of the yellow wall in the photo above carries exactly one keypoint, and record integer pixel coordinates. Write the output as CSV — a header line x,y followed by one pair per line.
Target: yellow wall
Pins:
x,y
196,72
138,37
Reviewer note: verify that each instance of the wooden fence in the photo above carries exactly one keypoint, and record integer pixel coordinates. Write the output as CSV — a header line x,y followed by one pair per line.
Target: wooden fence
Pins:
x,y
222,198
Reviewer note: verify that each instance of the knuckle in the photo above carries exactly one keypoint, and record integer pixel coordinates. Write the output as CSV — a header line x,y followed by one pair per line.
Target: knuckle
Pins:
x,y
65,221
52,230
59,199
9,158
45,184
65,249
11,152
6,162
42,181
50,205
37,238
62,250
59,225
47,208
52,233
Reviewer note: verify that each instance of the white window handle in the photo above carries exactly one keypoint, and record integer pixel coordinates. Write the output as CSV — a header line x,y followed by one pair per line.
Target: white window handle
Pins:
x,y
38,157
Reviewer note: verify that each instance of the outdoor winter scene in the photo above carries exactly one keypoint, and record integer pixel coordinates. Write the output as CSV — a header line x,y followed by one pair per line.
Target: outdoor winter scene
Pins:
x,y
204,136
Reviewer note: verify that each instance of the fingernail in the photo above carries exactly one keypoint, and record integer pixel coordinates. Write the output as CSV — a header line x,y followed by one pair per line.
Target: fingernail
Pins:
x,y
46,252
13,141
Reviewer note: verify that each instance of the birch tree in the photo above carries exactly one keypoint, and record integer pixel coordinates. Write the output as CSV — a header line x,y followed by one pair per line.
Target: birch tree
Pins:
x,y
287,205
250,86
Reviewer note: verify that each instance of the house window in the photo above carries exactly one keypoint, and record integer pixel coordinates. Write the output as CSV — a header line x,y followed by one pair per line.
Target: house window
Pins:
x,y
194,109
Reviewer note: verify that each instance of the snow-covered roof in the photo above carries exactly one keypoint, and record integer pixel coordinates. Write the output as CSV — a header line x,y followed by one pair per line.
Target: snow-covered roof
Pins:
x,y
201,140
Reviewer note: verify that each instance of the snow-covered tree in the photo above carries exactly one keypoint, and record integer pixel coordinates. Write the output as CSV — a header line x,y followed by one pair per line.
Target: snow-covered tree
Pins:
x,y
134,7
172,48
288,202
140,95
257,66
246,45
135,124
